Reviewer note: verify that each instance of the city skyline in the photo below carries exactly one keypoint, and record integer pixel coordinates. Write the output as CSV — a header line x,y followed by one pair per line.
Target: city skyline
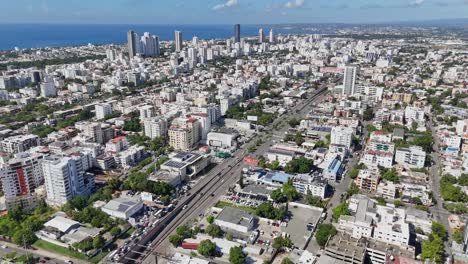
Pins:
x,y
231,11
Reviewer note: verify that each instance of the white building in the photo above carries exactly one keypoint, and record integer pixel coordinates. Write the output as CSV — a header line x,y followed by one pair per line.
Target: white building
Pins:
x,y
414,114
222,140
102,110
146,111
156,127
21,143
122,208
372,158
65,178
234,219
413,156
48,88
149,45
341,135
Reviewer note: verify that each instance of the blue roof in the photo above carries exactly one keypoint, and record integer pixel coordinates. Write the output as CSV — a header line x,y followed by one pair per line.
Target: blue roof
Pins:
x,y
334,166
277,177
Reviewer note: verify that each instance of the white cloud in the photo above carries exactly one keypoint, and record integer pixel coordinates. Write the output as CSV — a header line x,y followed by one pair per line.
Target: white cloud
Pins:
x,y
417,2
228,4
294,3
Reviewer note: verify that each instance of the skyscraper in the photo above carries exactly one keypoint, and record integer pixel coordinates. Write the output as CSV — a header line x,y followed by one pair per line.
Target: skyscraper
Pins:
x,y
349,81
178,41
132,39
149,45
237,33
272,36
261,36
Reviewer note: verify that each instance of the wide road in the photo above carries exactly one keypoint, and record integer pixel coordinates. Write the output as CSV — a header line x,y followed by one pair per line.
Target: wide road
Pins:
x,y
208,190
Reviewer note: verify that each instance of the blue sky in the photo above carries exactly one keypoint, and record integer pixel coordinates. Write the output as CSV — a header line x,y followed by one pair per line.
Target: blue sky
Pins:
x,y
227,11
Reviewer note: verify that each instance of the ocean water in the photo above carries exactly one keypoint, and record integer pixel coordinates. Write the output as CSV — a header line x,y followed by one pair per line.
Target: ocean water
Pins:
x,y
55,35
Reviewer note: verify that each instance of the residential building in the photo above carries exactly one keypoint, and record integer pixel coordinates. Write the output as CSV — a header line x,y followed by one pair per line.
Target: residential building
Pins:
x,y
373,158
65,178
132,42
20,176
103,110
21,143
341,135
413,156
368,180
155,127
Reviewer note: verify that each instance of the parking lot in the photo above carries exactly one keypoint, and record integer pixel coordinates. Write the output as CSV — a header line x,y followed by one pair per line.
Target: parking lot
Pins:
x,y
297,225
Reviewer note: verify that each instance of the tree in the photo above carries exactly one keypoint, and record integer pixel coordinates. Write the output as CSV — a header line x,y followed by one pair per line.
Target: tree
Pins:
x,y
282,242
207,248
438,229
274,165
241,181
98,242
353,189
213,230
324,232
24,237
115,231
267,210
368,114
236,256
184,231
293,122
176,240
210,219
299,139
381,200
398,203
299,165
287,261
315,201
278,196
457,236
341,209
433,249
290,191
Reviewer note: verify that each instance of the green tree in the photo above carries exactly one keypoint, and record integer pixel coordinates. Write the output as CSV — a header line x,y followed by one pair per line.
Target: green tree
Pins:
x,y
438,229
433,250
277,196
323,233
286,261
115,231
176,240
98,242
341,209
282,242
293,122
274,165
207,248
290,191
214,230
210,219
184,231
457,236
368,114
24,237
236,256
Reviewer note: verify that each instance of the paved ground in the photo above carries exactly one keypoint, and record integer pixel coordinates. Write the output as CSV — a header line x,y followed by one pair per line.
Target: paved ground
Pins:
x,y
38,253
297,226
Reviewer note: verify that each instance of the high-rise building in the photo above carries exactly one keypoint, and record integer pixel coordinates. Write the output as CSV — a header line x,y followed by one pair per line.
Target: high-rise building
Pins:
x,y
94,131
184,133
149,45
261,36
349,81
156,127
20,176
20,143
272,36
103,110
178,41
65,178
237,37
132,39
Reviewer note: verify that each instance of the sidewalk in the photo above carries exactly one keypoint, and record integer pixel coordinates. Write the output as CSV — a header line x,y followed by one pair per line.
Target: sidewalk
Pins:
x,y
44,253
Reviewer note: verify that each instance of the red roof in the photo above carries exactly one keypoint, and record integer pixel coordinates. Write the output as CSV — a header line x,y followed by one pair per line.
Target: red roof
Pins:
x,y
118,139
